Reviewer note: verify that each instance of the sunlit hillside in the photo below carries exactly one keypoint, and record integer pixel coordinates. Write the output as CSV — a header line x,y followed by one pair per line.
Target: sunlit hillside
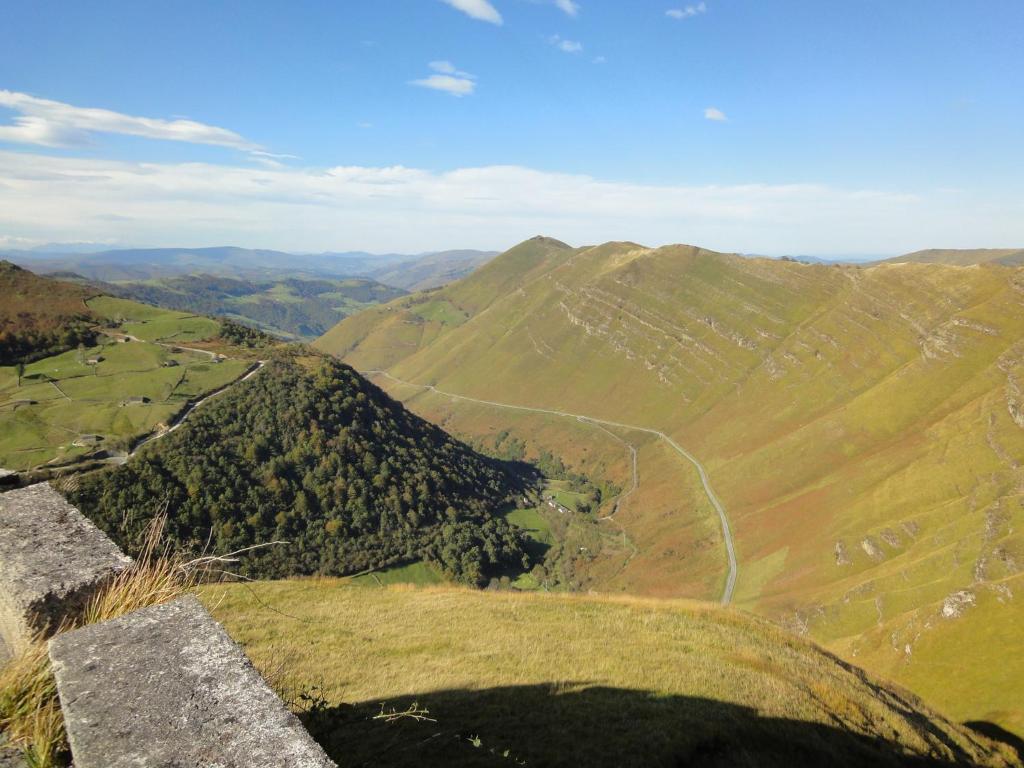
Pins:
x,y
540,680
864,427
1008,257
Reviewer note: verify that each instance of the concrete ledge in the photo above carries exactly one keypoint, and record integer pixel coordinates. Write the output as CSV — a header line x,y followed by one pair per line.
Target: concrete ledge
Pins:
x,y
166,686
52,560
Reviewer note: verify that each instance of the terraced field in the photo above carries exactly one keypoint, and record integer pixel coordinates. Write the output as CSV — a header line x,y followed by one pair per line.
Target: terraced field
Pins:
x,y
864,427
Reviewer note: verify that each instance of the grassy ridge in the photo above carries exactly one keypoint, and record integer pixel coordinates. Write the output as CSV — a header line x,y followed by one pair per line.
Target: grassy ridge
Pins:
x,y
567,681
864,427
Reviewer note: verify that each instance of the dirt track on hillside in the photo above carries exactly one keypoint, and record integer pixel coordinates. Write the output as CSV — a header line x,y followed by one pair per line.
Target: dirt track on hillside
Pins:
x,y
730,548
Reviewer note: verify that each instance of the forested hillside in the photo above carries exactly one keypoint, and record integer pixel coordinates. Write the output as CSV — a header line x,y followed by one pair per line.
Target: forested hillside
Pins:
x,y
311,454
40,317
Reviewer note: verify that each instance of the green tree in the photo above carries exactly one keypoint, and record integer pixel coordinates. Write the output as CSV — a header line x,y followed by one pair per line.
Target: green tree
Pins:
x,y
20,368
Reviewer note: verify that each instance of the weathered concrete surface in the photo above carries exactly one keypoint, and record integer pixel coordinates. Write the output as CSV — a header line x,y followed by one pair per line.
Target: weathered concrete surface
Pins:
x,y
52,560
165,686
10,758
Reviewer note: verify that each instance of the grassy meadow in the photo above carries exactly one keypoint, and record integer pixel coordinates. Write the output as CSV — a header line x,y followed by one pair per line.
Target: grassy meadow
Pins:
x,y
64,399
559,680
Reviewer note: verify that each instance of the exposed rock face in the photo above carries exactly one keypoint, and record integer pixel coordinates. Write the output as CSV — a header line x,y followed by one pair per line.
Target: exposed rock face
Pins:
x,y
871,549
954,606
166,686
52,560
841,558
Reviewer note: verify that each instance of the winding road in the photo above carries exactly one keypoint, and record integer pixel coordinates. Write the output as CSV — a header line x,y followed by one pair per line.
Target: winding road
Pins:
x,y
730,548
184,414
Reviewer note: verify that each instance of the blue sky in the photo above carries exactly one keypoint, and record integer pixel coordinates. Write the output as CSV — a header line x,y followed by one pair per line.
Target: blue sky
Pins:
x,y
842,127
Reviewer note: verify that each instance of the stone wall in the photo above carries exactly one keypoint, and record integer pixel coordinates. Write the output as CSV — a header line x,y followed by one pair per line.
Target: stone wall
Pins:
x,y
164,685
52,560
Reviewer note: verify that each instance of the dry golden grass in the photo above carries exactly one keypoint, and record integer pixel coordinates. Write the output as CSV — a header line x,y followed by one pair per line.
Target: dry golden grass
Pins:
x,y
568,680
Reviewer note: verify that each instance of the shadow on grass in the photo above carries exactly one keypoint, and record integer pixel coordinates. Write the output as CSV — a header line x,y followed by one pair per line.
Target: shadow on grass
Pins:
x,y
998,733
575,724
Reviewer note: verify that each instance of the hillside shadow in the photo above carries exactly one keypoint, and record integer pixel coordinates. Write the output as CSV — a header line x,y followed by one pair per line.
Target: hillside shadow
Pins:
x,y
576,724
998,733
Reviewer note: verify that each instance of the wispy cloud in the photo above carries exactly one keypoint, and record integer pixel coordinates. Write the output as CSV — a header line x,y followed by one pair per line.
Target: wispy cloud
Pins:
x,y
62,199
447,68
477,9
449,79
687,12
569,46
55,124
570,7
713,113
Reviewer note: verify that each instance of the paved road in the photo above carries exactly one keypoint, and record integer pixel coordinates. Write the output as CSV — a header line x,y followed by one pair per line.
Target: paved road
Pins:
x,y
730,581
253,370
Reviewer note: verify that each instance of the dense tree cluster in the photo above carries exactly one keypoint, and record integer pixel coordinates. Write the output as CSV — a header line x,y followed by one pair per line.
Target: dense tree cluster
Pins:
x,y
311,453
244,336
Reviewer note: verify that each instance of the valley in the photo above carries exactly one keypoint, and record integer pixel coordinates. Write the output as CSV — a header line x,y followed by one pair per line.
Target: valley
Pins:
x,y
512,383
730,579
860,424
289,308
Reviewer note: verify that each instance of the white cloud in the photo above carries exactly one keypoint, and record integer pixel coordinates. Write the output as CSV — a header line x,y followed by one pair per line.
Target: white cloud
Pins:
x,y
477,9
449,79
569,46
713,113
570,7
600,60
55,124
456,86
687,12
62,199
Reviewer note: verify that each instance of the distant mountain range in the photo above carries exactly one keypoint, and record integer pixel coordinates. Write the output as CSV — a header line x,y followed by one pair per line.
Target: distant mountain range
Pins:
x,y
404,271
1007,257
287,307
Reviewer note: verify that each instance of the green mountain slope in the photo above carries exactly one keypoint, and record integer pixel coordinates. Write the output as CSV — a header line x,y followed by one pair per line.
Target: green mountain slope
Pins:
x,y
310,454
864,427
1008,257
544,680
